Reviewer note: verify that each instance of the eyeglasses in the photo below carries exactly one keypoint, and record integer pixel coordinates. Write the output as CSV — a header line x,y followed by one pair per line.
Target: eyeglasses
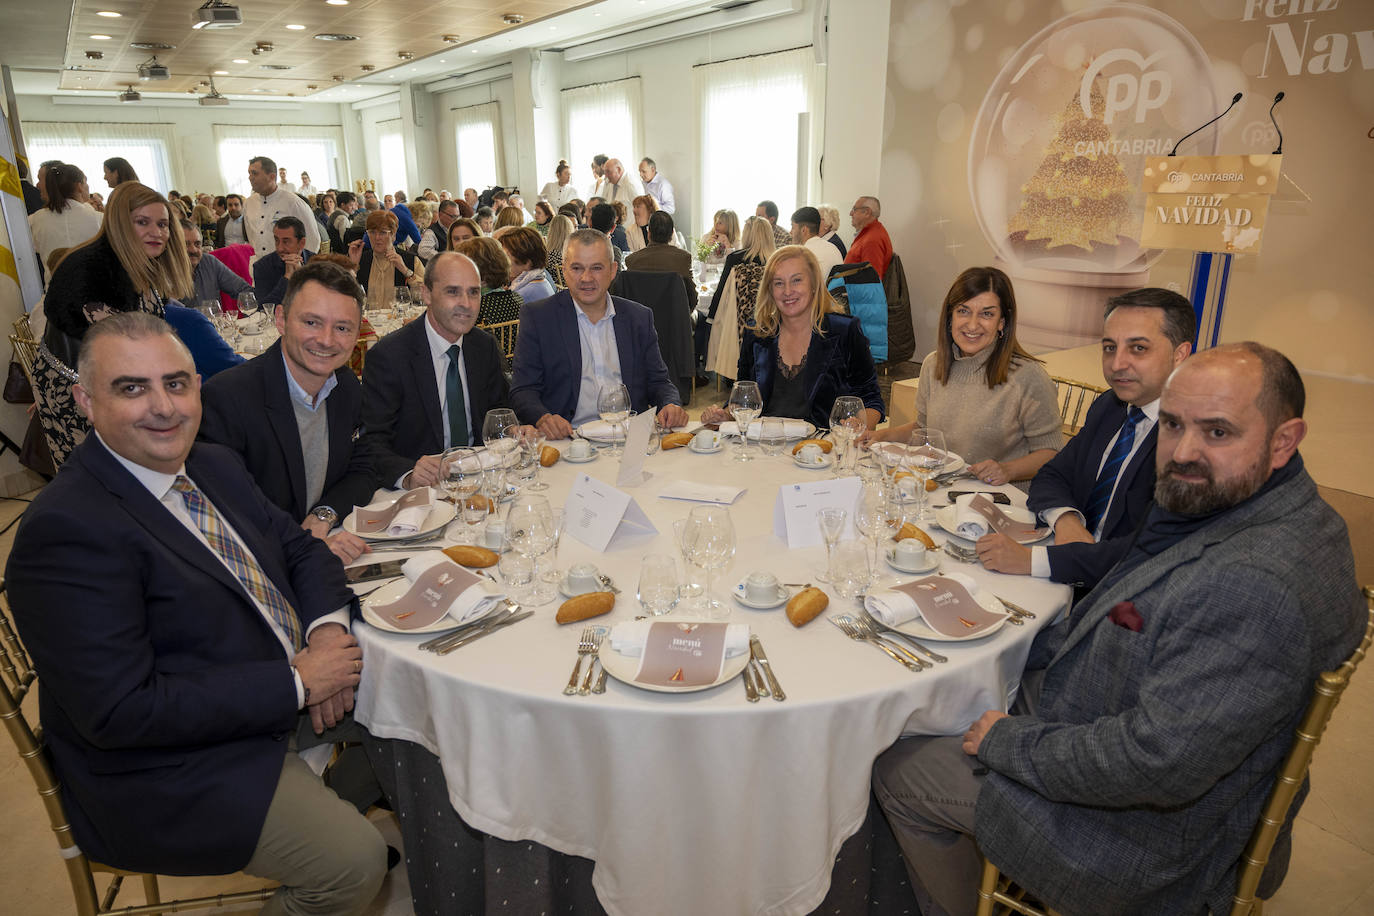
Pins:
x,y
857,209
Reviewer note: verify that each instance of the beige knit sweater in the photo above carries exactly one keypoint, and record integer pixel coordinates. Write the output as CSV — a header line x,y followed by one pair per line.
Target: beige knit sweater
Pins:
x,y
1003,423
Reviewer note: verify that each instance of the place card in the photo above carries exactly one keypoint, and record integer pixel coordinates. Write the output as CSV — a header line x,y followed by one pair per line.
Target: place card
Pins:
x,y
415,505
639,429
596,513
693,491
997,520
794,511
682,654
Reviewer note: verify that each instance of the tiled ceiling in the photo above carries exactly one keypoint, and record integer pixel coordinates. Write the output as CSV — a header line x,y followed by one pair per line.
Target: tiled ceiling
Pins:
x,y
298,64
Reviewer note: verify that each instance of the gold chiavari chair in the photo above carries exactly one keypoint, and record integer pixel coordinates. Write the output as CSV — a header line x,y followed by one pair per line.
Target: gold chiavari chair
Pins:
x,y
997,894
17,678
504,332
1075,398
25,347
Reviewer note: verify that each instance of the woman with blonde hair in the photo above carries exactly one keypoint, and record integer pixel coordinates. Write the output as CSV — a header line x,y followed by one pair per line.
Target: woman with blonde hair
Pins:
x,y
644,206
723,236
732,306
994,402
801,351
560,227
509,216
830,221
421,213
133,263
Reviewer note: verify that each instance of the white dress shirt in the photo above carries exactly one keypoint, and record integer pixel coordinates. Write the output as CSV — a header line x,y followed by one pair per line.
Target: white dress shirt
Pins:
x,y
600,361
557,195
260,213
625,192
235,233
662,190
1040,558
160,486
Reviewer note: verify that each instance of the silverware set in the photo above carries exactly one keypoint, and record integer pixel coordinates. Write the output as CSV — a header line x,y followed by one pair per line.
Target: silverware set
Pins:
x,y
470,632
392,546
1019,614
759,679
851,627
588,645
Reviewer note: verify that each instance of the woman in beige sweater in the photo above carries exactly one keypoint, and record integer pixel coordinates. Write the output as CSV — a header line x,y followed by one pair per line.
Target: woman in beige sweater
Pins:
x,y
994,402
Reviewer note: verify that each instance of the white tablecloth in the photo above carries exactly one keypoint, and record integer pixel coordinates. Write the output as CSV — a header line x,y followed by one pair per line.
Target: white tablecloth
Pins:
x,y
689,803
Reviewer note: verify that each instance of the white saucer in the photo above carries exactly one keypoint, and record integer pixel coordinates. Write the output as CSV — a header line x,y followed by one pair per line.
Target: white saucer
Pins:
x,y
932,562
568,456
692,447
566,593
738,594
825,462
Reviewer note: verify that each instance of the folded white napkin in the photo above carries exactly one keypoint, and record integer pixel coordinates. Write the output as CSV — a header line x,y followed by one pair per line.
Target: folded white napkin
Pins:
x,y
969,522
628,638
408,521
792,429
895,608
477,600
599,429
502,451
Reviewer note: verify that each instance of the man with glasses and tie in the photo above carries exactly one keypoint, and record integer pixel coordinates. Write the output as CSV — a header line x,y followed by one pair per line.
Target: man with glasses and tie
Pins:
x,y
428,386
180,623
1095,491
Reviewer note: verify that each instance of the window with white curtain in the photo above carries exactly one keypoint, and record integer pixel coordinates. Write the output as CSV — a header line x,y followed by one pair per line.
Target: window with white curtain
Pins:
x,y
477,134
148,147
748,112
391,148
603,118
317,150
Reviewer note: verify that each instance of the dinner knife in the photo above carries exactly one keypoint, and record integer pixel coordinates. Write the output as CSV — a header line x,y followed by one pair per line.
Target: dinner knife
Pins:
x,y
751,692
756,649
484,631
1015,607
464,629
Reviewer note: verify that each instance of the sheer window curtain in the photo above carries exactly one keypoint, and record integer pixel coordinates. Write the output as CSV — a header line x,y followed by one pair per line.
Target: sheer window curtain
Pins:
x,y
148,147
603,118
316,150
391,151
747,115
477,136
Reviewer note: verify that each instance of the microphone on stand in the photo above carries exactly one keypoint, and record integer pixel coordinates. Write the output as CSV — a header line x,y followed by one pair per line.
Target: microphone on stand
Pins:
x,y
1234,100
1278,97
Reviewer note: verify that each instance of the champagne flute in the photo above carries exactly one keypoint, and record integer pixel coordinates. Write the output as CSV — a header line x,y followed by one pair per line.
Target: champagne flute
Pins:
x,y
690,589
710,538
613,406
831,520
843,415
532,440
926,454
871,513
745,404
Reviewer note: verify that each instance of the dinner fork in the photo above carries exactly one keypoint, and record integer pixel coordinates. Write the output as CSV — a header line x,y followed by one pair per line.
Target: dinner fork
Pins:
x,y
850,629
598,634
878,628
585,646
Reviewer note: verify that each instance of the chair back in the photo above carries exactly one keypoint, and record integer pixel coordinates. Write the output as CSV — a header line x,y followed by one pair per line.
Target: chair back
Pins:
x,y
25,346
664,294
1075,398
505,333
1326,693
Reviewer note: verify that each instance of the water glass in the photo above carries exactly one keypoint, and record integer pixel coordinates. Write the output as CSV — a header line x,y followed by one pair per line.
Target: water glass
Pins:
x,y
772,436
613,406
831,520
517,574
851,569
658,584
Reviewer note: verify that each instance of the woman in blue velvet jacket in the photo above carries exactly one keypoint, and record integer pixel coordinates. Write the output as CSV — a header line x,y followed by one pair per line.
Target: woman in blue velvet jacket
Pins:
x,y
800,350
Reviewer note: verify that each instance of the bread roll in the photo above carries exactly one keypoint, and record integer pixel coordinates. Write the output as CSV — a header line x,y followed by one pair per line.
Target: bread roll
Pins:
x,y
548,456
825,445
467,555
931,485
911,531
675,440
592,604
806,605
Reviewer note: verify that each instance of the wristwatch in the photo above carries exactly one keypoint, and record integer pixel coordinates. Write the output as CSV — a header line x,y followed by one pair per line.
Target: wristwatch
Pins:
x,y
326,515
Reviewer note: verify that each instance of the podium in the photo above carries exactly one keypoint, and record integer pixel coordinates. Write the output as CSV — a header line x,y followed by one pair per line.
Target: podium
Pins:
x,y
1215,207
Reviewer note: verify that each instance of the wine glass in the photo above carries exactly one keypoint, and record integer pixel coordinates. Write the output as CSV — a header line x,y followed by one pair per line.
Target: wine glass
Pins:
x,y
890,457
613,406
925,456
710,541
460,476
402,306
530,531
499,429
745,404
831,520
658,584
690,589
846,423
248,303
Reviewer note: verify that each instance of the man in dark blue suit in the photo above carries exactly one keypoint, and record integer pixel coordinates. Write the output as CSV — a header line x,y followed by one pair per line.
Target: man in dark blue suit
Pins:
x,y
581,339
272,271
179,622
1096,490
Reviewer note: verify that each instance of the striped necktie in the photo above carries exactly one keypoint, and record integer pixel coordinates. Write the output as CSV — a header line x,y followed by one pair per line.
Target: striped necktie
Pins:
x,y
239,560
1101,495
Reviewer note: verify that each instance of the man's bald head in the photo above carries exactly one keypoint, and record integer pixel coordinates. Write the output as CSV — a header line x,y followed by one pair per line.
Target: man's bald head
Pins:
x,y
1279,391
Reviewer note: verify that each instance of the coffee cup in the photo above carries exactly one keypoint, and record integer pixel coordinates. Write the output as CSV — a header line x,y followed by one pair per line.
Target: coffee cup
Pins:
x,y
580,448
810,454
582,578
911,552
706,439
761,587
494,537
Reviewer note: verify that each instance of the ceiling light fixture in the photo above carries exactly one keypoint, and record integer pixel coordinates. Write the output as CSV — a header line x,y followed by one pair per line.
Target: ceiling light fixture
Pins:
x,y
152,46
453,39
221,73
100,37
366,68
405,55
295,27
95,55
240,60
109,14
512,18
263,47
335,36
337,2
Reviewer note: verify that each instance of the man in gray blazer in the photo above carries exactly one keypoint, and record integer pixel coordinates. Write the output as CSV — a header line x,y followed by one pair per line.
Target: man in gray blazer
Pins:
x,y
1152,723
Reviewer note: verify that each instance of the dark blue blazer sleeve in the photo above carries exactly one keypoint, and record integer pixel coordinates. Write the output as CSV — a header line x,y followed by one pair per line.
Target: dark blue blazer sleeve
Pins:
x,y
208,349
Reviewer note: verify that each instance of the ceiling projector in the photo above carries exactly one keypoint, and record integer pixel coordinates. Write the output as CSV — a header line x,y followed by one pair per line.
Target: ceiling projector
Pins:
x,y
130,95
216,15
152,70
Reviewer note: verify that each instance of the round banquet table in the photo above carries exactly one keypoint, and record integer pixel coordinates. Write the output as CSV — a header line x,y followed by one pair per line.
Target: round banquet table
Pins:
x,y
694,802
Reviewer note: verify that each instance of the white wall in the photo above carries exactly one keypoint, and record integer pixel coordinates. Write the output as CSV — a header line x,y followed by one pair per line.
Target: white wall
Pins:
x,y
502,92
195,162
856,87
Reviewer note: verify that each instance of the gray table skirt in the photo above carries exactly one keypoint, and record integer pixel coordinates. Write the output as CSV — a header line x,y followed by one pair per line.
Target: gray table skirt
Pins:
x,y
455,869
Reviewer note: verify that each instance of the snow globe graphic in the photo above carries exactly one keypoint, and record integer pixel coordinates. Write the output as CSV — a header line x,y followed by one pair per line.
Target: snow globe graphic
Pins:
x,y
1057,154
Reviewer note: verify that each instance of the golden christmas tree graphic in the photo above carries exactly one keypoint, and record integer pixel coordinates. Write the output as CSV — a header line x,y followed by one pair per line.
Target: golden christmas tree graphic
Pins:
x,y
1076,199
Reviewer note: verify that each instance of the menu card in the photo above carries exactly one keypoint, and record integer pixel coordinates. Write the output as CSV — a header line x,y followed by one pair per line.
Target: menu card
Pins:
x,y
679,653
943,602
426,601
794,511
403,516
976,515
595,512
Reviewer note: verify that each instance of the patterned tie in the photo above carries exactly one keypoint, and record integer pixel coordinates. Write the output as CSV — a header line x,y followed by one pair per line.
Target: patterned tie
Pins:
x,y
1101,494
453,397
239,560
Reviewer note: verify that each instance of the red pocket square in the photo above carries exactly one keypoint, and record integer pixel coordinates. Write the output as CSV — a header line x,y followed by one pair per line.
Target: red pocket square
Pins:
x,y
1125,615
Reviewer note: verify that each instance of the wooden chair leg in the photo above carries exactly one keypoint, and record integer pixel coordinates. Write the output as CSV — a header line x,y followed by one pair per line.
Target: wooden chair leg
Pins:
x,y
150,889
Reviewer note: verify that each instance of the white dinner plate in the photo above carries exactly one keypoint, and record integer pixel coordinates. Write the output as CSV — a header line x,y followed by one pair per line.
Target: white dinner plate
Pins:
x,y
944,517
395,589
825,462
624,668
440,514
738,593
918,629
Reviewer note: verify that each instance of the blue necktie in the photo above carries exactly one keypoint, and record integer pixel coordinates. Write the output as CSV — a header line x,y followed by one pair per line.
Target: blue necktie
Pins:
x,y
1101,494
